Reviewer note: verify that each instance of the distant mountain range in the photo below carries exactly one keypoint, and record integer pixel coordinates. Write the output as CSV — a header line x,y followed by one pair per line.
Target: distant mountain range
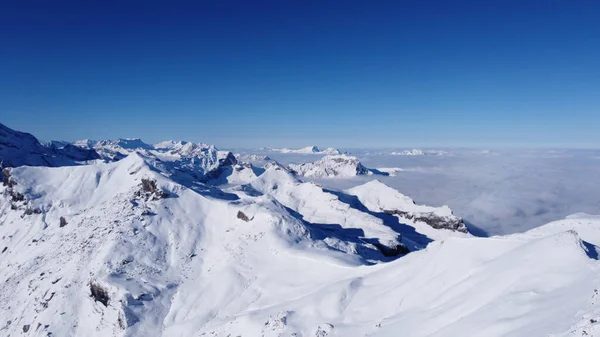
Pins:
x,y
123,238
306,150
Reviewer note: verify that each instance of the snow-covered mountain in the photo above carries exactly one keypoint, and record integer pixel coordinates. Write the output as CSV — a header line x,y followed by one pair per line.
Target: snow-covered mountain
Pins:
x,y
186,162
330,166
117,149
419,152
19,148
308,150
142,247
413,152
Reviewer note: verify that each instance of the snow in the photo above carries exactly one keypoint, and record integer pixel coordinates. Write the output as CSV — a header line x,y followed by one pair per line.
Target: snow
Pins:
x,y
419,152
308,150
19,148
331,166
185,265
413,152
187,240
499,191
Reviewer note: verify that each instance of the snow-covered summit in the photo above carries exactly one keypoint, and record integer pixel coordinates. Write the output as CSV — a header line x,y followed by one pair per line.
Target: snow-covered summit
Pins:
x,y
182,148
331,166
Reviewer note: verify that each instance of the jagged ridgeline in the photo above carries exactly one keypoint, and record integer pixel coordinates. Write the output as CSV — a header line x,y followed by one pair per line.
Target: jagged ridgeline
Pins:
x,y
182,239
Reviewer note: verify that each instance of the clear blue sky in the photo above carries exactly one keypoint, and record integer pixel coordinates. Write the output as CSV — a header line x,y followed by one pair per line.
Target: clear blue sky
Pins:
x,y
293,73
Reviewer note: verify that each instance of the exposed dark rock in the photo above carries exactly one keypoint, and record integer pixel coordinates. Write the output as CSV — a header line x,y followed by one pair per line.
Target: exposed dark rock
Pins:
x,y
3,250
29,211
63,222
26,327
6,181
16,196
99,294
392,251
242,216
121,321
436,221
145,297
149,187
10,184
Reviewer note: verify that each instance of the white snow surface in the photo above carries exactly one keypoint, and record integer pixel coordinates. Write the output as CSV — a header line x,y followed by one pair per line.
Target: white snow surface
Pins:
x,y
376,195
178,261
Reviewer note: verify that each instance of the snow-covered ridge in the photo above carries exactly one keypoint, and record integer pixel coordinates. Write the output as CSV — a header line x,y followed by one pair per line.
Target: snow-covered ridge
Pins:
x,y
377,196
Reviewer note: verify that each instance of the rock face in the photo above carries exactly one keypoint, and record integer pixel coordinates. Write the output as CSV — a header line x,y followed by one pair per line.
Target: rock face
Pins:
x,y
330,167
242,216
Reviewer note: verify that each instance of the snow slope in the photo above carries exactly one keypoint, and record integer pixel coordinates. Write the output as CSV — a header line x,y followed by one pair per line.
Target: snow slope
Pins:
x,y
171,262
379,197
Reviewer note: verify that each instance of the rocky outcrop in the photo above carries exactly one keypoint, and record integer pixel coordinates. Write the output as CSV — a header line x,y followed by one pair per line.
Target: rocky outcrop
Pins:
x,y
242,216
149,189
99,293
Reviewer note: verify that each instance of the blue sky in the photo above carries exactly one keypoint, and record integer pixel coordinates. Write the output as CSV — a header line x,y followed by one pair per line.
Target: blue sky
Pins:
x,y
294,73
